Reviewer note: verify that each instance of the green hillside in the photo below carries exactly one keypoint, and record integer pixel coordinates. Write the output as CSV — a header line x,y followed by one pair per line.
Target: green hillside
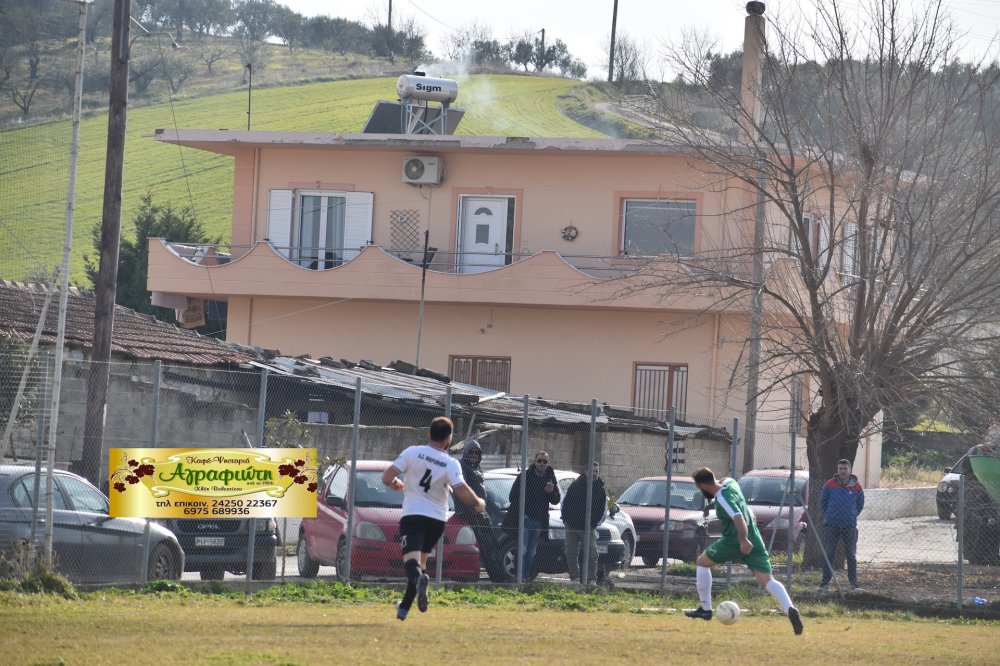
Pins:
x,y
34,161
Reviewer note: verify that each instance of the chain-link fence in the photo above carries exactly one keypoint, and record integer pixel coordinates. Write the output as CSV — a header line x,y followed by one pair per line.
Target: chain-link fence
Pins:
x,y
909,548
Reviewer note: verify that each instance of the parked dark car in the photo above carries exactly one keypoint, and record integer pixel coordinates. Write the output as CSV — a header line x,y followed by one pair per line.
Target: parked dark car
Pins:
x,y
375,548
213,546
947,489
613,551
89,546
692,526
766,492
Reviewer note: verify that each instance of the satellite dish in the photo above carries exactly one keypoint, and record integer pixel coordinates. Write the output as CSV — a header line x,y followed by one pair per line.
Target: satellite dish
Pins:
x,y
414,169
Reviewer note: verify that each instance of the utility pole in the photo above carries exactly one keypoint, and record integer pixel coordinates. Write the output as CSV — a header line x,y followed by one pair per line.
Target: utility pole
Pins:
x,y
541,56
611,59
751,100
107,274
249,92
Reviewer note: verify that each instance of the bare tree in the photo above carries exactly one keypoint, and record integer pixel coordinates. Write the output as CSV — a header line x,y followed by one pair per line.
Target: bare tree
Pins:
x,y
213,49
630,62
458,45
874,158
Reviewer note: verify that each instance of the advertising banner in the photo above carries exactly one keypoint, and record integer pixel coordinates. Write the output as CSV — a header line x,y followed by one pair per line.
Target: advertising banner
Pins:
x,y
213,483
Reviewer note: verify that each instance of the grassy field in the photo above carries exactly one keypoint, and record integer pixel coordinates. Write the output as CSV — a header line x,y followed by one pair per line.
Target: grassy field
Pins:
x,y
323,624
34,159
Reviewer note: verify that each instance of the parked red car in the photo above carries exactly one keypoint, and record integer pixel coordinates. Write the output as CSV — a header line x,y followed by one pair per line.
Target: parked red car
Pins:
x,y
692,527
766,494
375,550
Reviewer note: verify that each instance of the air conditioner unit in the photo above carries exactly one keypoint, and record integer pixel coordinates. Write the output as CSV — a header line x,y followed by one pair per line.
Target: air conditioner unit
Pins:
x,y
422,170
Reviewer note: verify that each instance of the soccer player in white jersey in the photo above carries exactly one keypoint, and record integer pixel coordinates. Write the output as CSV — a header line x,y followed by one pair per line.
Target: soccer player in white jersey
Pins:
x,y
741,542
429,472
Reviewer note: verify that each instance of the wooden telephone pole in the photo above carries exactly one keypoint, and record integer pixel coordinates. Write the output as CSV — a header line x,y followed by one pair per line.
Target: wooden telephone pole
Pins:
x,y
107,275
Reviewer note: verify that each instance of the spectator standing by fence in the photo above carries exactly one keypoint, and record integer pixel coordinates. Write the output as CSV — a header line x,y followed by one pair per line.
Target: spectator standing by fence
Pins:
x,y
574,515
540,491
842,500
482,525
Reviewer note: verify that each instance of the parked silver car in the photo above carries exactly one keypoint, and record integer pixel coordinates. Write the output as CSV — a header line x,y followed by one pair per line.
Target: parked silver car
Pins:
x,y
616,536
89,546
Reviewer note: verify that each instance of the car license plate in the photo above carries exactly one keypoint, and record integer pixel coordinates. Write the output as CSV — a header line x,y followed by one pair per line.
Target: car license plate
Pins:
x,y
210,542
602,550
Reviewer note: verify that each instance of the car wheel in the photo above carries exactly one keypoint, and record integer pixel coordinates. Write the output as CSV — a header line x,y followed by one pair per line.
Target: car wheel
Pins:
x,y
650,560
163,564
944,511
509,563
308,568
265,570
629,550
342,563
212,573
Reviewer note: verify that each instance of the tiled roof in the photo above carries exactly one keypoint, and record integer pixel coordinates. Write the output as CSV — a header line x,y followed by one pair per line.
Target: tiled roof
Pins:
x,y
136,335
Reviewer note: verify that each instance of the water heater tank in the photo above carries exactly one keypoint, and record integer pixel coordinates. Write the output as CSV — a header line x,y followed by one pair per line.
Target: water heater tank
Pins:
x,y
426,88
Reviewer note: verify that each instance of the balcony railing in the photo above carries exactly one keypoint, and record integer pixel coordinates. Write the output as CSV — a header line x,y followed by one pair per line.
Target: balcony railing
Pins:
x,y
324,258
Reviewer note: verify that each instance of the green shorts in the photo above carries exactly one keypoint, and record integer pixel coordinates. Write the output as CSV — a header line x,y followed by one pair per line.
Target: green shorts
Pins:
x,y
726,550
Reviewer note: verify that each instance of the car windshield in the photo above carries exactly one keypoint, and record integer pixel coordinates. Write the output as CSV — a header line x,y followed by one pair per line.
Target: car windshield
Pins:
x,y
770,490
372,492
649,492
498,491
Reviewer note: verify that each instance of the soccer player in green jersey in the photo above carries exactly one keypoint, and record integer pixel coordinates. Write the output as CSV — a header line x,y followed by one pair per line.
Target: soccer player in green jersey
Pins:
x,y
741,541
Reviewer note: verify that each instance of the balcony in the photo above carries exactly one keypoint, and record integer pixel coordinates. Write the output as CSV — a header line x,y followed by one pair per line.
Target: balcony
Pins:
x,y
218,272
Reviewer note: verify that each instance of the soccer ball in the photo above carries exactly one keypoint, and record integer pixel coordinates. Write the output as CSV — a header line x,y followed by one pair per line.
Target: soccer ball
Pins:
x,y
728,612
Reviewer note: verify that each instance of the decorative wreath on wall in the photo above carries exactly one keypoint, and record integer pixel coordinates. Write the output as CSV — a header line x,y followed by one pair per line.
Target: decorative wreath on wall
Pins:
x,y
570,233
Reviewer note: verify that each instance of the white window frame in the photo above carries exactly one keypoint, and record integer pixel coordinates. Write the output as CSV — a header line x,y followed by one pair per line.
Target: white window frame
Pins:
x,y
623,248
284,223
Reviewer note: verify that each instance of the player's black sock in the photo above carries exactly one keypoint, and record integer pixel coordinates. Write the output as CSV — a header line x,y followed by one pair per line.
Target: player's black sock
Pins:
x,y
412,568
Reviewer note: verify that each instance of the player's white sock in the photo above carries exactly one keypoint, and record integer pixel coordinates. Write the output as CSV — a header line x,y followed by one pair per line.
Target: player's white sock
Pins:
x,y
703,581
779,592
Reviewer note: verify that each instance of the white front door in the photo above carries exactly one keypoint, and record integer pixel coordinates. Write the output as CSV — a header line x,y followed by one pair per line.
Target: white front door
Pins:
x,y
482,242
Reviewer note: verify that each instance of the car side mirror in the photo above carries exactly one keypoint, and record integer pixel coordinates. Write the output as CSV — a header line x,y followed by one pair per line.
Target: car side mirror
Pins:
x,y
615,508
947,470
338,502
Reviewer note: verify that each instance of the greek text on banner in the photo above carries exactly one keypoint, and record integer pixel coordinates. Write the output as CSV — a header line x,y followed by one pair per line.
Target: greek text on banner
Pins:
x,y
213,483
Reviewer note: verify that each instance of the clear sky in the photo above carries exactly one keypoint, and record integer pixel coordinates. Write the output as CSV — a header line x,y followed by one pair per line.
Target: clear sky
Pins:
x,y
585,25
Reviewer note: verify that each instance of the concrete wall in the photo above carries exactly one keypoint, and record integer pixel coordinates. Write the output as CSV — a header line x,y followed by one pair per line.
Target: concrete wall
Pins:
x,y
890,503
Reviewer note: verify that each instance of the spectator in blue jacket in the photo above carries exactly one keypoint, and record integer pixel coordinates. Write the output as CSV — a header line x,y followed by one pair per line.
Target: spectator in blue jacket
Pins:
x,y
842,500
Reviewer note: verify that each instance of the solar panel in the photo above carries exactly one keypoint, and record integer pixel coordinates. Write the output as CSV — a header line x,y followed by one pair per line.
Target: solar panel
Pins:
x,y
388,118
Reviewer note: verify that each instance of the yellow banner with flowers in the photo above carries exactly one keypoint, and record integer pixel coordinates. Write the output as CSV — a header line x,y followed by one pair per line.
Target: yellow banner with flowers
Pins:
x,y
213,483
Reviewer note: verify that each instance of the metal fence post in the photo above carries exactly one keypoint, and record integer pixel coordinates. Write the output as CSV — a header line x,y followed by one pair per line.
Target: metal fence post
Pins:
x,y
261,417
666,502
439,574
46,359
520,513
791,514
588,512
960,524
732,472
355,438
155,410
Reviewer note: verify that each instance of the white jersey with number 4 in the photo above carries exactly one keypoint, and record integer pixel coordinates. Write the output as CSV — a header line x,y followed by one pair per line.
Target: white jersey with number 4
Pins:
x,y
428,473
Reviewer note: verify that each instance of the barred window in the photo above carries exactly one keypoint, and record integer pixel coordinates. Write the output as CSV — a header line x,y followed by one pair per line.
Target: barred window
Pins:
x,y
658,387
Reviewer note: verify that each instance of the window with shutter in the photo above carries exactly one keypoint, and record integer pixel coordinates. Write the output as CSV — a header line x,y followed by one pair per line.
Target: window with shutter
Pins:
x,y
318,228
485,371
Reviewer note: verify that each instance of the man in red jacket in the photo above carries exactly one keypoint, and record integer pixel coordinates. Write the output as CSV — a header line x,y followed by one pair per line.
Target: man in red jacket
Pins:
x,y
842,499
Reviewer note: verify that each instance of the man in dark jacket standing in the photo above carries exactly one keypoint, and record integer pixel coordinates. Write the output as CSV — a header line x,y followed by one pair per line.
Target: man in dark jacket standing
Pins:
x,y
842,499
574,516
482,526
540,491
